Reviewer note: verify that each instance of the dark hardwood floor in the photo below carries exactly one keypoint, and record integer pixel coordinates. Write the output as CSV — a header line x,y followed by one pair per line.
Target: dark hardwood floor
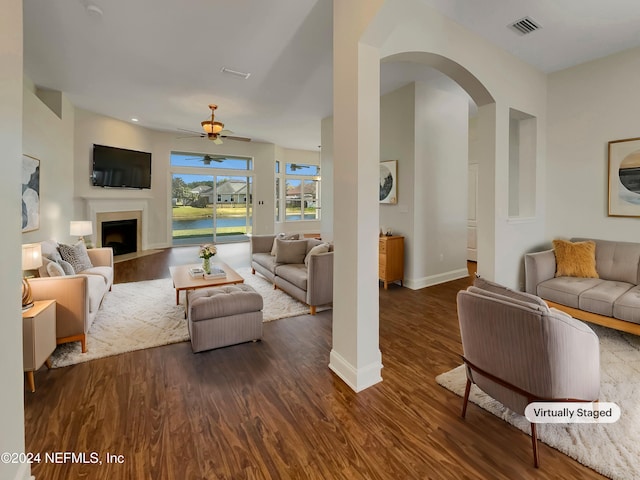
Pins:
x,y
274,410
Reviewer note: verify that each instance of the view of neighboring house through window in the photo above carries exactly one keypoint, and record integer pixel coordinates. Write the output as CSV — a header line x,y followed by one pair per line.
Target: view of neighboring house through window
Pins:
x,y
211,198
301,192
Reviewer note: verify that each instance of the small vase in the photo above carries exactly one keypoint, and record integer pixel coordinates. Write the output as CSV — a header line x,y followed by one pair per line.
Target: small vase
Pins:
x,y
206,265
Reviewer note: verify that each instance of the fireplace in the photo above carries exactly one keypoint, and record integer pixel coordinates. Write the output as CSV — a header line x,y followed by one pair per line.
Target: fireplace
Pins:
x,y
120,235
122,231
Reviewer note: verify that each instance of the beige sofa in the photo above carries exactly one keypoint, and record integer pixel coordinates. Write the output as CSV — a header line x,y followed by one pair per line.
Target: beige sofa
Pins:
x,y
612,299
293,268
78,296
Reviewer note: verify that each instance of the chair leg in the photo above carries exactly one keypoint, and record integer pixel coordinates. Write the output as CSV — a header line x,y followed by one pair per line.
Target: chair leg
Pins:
x,y
534,441
466,398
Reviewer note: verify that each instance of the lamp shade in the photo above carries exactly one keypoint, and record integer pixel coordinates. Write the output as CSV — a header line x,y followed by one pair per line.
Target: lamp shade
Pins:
x,y
81,228
31,256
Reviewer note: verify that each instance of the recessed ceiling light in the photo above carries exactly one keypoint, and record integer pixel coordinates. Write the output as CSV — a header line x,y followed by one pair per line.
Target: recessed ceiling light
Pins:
x,y
134,119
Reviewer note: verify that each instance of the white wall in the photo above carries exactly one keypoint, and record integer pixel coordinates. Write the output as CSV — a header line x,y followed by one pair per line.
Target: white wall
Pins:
x,y
439,248
588,106
11,373
397,142
50,139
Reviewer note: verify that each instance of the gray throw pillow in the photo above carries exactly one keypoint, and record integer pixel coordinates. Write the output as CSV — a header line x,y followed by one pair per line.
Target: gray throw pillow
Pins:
x,y
283,236
76,255
290,251
66,267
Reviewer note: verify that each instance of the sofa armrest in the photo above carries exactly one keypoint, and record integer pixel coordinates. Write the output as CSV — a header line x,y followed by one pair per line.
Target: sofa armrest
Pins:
x,y
71,294
320,279
538,267
101,257
261,243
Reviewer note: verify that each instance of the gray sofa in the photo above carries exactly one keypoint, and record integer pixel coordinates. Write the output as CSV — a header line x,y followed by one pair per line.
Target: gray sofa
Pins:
x,y
292,267
612,300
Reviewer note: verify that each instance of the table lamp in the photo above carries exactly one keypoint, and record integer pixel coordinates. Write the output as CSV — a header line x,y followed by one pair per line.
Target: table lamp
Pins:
x,y
80,229
31,259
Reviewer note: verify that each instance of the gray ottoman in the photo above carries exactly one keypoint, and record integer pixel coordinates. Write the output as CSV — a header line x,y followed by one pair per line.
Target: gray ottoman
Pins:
x,y
223,316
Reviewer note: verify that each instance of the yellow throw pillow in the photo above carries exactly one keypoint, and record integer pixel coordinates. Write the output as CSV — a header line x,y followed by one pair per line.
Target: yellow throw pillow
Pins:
x,y
575,259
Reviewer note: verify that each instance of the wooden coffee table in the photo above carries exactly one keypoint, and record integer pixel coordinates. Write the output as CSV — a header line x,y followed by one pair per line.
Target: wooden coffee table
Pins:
x,y
182,279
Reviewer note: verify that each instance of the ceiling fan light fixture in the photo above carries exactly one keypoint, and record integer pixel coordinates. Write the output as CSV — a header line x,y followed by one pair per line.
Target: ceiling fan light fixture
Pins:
x,y
212,127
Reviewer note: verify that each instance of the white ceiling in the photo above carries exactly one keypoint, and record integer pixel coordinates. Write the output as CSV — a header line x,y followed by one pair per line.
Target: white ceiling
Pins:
x,y
160,60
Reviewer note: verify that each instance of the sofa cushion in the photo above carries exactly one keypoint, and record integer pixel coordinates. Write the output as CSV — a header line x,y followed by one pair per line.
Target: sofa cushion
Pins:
x,y
627,307
290,251
317,250
265,260
106,273
76,255
600,299
617,260
487,285
295,273
575,259
566,290
283,236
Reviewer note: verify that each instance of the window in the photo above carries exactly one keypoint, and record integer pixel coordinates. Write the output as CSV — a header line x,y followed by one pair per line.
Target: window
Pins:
x,y
301,192
201,160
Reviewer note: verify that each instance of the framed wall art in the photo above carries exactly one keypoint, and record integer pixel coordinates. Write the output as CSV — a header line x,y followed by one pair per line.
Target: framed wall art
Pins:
x,y
389,182
30,193
624,178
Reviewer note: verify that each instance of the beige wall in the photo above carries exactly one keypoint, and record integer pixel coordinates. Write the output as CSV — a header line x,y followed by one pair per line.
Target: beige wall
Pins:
x,y
589,105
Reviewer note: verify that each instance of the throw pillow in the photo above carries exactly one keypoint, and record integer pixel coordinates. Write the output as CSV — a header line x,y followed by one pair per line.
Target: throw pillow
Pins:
x,y
575,259
322,248
283,236
76,255
290,251
66,267
55,270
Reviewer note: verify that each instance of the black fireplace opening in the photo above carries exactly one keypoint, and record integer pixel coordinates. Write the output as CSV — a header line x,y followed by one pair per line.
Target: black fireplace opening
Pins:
x,y
121,236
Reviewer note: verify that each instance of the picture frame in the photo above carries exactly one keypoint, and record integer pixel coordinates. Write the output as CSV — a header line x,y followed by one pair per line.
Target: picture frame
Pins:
x,y
624,177
30,193
389,182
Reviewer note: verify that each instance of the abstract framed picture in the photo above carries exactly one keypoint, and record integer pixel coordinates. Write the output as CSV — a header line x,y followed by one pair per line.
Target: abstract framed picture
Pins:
x,y
624,178
30,193
389,182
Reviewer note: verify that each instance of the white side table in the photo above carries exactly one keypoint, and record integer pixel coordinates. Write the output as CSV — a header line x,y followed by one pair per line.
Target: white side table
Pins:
x,y
38,337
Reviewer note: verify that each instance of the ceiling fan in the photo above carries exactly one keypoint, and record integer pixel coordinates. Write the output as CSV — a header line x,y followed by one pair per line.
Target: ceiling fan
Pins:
x,y
207,159
214,130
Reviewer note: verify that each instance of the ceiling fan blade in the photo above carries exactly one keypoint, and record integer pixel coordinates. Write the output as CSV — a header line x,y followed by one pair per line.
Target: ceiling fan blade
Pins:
x,y
238,139
217,141
192,131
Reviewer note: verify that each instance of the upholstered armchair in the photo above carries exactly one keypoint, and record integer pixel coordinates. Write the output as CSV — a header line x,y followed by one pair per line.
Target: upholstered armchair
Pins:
x,y
519,351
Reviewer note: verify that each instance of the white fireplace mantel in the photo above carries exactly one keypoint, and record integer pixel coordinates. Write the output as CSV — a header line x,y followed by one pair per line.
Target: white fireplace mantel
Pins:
x,y
111,205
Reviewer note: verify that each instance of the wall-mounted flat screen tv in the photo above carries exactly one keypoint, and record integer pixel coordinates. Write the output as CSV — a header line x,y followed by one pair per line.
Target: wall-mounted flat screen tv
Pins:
x,y
120,168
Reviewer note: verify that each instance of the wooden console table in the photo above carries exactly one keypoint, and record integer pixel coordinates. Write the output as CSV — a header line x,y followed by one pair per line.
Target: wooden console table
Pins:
x,y
391,259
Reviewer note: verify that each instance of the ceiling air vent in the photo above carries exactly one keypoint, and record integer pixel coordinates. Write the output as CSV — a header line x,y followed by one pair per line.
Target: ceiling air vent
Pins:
x,y
525,26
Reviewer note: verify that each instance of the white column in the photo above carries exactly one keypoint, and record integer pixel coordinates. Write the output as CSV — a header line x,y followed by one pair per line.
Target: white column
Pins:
x,y
355,356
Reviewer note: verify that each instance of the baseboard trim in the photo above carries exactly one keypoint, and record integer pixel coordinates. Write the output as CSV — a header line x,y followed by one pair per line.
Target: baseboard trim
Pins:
x,y
24,472
356,379
418,283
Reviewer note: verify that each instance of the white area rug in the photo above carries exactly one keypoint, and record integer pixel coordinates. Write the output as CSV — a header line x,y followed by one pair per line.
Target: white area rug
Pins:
x,y
140,315
610,449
